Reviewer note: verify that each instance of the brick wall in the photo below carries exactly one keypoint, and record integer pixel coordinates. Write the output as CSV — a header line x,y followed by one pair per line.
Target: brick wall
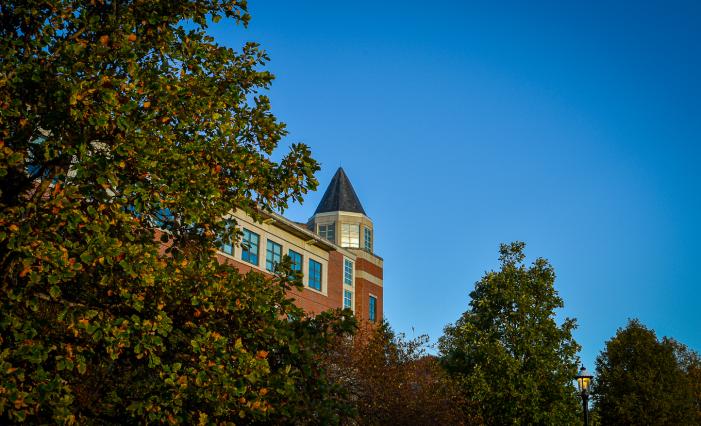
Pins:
x,y
364,288
307,299
314,302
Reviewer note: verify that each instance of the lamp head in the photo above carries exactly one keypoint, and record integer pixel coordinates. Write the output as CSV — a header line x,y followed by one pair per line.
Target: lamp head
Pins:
x,y
583,380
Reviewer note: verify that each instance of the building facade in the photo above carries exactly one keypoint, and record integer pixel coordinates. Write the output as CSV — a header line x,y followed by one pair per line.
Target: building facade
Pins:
x,y
333,250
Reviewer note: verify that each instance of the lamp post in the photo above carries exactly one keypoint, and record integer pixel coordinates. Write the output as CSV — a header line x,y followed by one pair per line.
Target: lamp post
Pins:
x,y
583,382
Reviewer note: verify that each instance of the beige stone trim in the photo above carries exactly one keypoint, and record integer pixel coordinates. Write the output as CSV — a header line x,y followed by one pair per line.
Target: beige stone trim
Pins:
x,y
368,277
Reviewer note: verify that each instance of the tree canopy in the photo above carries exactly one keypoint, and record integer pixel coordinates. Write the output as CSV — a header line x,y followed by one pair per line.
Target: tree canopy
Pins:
x,y
641,380
509,354
118,118
393,380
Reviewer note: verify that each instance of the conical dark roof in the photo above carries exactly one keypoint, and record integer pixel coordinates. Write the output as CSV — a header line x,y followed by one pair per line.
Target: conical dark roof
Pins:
x,y
340,196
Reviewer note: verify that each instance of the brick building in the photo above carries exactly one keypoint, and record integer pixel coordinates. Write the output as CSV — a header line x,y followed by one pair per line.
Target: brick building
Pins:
x,y
334,251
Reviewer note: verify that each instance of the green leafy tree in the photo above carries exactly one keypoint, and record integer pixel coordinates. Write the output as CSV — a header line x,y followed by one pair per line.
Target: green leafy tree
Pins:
x,y
690,363
126,136
511,357
641,380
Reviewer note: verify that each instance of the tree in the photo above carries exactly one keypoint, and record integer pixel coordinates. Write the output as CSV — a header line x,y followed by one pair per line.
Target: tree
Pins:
x,y
641,380
392,379
507,351
126,136
690,363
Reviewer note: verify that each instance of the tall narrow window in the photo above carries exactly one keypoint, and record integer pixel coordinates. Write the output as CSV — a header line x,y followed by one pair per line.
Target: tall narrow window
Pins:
x,y
347,299
372,309
368,240
328,231
296,259
273,255
350,235
314,274
348,272
249,246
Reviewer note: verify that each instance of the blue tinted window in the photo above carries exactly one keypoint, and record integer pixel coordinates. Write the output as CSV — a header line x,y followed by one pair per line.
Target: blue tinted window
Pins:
x,y
273,255
162,217
314,274
249,247
296,259
347,299
372,314
348,272
368,240
227,248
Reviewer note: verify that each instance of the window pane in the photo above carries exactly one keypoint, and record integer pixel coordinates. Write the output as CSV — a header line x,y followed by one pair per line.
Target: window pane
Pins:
x,y
314,274
227,247
273,255
347,299
368,240
350,235
296,260
348,272
372,309
328,231
249,247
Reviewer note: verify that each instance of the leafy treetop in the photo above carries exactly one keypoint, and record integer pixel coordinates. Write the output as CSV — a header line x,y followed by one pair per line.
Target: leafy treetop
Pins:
x,y
642,380
118,118
512,358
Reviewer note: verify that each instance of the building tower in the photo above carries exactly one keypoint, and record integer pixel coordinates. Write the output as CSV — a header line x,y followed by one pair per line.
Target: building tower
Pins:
x,y
341,219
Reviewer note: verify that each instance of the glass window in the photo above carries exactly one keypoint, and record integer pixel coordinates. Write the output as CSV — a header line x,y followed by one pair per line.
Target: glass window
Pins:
x,y
372,314
328,231
227,248
368,240
162,217
249,247
348,272
296,260
347,299
273,255
314,274
350,235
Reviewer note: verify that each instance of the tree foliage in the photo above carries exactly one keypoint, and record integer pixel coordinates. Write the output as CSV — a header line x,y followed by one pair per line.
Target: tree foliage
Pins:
x,y
641,380
511,357
118,118
392,380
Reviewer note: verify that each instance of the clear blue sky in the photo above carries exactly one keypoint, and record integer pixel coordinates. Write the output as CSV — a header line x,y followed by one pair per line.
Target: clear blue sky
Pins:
x,y
575,128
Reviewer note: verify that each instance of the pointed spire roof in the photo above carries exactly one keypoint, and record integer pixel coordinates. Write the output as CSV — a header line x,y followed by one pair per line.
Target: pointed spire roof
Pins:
x,y
340,196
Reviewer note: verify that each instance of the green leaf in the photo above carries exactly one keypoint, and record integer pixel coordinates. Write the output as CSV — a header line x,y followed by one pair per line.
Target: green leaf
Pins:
x,y
55,292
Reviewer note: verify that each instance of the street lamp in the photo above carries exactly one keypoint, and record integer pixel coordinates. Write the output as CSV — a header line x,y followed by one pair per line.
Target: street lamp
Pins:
x,y
583,382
